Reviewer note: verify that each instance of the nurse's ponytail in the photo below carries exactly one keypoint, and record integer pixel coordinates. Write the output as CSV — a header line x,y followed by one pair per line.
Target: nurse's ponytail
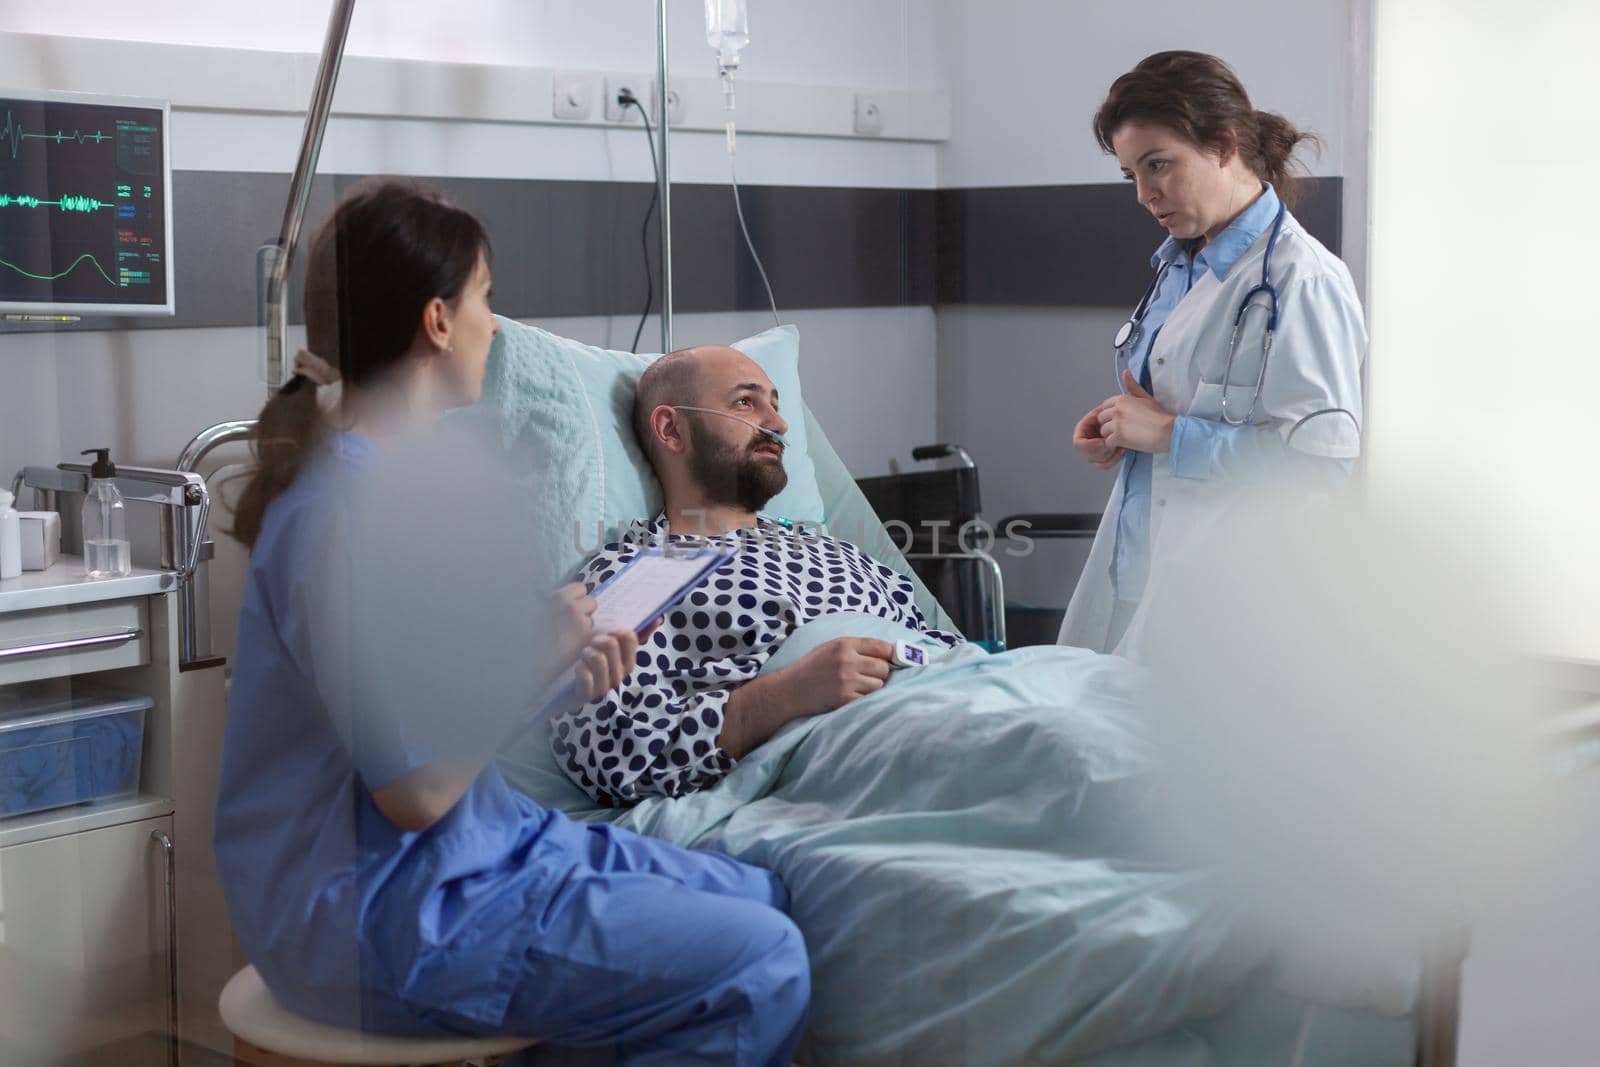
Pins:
x,y
1200,98
286,433
390,248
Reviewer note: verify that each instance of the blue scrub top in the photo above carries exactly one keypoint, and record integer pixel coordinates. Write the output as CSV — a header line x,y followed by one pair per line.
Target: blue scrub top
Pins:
x,y
1130,562
1193,439
338,909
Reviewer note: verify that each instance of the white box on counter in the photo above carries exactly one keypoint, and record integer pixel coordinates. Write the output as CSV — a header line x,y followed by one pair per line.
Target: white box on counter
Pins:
x,y
41,539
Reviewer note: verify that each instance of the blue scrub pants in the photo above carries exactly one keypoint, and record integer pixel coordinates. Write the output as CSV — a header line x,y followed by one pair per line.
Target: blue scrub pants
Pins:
x,y
649,954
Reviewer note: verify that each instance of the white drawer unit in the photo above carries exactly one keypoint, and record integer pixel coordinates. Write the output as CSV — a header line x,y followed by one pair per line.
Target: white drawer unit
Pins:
x,y
86,947
55,642
114,936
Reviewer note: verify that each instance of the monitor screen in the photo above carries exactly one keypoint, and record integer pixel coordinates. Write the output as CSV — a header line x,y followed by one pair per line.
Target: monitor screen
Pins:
x,y
85,205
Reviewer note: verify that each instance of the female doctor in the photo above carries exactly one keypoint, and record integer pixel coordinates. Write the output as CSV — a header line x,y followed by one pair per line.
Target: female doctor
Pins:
x,y
1240,367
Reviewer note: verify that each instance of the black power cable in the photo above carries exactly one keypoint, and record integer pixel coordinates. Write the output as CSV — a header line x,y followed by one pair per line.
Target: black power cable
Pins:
x,y
627,99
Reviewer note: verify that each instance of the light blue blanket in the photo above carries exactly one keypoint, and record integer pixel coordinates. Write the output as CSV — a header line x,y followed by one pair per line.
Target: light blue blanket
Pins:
x,y
968,856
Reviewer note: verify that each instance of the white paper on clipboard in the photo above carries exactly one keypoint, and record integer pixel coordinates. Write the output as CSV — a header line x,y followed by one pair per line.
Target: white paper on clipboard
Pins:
x,y
648,585
636,596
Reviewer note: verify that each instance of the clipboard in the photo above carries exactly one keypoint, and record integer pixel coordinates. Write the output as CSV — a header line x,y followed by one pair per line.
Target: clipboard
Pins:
x,y
649,584
636,596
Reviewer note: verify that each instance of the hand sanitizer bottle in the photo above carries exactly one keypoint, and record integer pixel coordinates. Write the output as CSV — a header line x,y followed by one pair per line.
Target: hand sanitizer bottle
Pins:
x,y
106,553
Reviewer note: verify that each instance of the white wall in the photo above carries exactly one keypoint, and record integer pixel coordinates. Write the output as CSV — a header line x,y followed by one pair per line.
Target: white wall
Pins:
x,y
1030,74
883,44
207,140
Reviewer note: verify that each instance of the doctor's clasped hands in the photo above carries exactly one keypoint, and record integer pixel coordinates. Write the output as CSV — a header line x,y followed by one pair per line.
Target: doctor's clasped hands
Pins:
x,y
1128,420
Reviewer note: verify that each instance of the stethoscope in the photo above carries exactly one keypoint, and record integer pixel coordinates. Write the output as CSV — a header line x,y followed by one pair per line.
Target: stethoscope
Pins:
x,y
1130,332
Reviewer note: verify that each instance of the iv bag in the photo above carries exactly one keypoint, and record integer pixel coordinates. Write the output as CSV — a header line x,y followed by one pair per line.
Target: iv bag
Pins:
x,y
727,29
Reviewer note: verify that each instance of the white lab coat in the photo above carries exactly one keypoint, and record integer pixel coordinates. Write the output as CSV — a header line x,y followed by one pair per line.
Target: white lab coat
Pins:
x,y
1316,362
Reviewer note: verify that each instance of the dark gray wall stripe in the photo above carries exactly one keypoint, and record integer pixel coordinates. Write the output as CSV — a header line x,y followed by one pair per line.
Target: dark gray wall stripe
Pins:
x,y
574,247
1071,245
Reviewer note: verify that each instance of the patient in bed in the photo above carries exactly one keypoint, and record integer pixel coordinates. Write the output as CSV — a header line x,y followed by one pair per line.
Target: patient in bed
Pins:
x,y
980,856
693,704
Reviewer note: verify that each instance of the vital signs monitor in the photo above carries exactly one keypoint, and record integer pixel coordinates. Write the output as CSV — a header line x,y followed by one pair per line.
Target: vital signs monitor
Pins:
x,y
85,205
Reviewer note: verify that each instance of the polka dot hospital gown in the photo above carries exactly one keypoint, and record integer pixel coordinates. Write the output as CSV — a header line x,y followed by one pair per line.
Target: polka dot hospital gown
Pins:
x,y
656,734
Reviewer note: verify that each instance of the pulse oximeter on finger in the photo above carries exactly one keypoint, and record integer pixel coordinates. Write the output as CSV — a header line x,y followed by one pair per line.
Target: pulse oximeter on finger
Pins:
x,y
907,654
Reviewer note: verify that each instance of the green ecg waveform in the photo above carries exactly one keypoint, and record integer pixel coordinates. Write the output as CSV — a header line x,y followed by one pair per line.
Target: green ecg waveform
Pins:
x,y
85,204
14,132
62,274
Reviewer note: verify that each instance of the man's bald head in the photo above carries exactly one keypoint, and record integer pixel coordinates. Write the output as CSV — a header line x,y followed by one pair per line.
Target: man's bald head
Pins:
x,y
710,461
669,380
678,378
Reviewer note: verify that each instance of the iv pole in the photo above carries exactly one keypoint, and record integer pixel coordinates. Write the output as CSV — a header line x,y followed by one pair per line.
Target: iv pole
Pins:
x,y
195,615
664,179
281,255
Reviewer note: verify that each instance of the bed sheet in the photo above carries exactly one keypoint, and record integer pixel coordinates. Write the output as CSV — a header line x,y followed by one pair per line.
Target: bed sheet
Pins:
x,y
974,857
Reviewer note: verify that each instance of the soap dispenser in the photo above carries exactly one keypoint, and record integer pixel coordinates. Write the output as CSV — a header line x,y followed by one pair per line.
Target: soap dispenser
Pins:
x,y
105,527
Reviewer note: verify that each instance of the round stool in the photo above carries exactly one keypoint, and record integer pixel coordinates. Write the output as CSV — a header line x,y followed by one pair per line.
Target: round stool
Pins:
x,y
255,1018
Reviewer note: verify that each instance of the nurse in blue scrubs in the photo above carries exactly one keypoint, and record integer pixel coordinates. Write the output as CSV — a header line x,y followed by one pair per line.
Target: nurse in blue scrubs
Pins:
x,y
382,878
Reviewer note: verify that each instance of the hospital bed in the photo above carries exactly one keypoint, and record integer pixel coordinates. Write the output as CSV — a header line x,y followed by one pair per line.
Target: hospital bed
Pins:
x,y
576,432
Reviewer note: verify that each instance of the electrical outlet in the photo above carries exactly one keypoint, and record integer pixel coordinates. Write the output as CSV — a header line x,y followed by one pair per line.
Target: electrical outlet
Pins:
x,y
573,96
675,104
615,84
869,116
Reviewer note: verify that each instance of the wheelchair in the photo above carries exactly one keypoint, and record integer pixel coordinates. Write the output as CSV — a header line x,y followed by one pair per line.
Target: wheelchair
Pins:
x,y
934,517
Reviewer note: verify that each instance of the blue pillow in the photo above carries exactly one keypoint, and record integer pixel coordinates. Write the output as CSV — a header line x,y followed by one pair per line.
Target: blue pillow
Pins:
x,y
564,412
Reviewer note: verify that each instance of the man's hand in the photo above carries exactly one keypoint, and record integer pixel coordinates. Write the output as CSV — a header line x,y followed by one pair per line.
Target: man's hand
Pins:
x,y
827,677
1135,421
832,675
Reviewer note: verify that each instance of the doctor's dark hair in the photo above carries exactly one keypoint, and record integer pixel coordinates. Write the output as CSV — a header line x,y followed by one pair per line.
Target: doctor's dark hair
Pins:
x,y
390,247
1200,98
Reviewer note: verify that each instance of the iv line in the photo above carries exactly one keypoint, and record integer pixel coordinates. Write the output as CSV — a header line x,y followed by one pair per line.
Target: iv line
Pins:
x,y
738,206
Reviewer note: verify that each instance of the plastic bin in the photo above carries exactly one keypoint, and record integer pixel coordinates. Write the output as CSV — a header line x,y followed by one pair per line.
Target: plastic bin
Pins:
x,y
56,751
